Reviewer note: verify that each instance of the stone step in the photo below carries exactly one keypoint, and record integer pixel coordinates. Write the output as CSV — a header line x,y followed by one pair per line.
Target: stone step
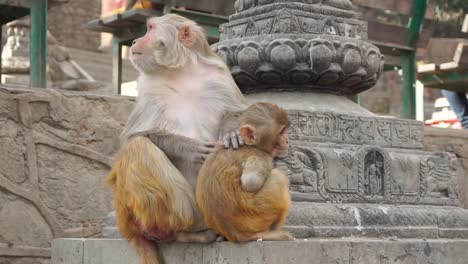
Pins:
x,y
341,251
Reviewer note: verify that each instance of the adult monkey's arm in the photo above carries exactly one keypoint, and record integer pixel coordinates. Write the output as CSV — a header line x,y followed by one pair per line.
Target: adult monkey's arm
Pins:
x,y
180,147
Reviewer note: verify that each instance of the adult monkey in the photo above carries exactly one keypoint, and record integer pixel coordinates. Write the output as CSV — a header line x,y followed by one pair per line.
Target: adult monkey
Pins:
x,y
187,99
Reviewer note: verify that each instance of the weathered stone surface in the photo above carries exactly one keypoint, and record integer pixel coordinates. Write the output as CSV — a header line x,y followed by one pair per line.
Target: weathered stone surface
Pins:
x,y
21,224
299,46
95,252
226,252
68,253
109,229
341,153
12,143
350,250
352,129
314,102
73,187
56,150
329,118
308,219
455,141
6,260
370,174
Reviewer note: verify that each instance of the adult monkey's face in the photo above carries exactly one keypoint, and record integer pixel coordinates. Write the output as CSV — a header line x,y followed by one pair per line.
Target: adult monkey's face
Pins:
x,y
168,41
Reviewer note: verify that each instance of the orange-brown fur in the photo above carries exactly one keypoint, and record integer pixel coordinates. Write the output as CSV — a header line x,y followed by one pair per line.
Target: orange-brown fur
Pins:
x,y
149,207
234,213
141,156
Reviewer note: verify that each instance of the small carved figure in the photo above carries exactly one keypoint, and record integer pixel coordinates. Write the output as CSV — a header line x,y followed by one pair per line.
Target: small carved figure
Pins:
x,y
439,178
374,172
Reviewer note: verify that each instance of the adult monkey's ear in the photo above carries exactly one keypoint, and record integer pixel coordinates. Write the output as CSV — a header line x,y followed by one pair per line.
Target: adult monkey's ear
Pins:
x,y
187,35
248,134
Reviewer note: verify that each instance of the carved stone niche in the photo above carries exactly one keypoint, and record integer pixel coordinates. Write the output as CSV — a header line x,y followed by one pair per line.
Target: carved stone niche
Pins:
x,y
321,172
314,45
371,191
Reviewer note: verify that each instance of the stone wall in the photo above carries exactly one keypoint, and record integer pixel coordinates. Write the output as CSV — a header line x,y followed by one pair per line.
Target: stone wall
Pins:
x,y
455,141
56,149
67,22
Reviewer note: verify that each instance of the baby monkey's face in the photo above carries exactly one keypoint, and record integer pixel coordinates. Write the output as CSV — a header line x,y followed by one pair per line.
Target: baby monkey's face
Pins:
x,y
282,143
265,126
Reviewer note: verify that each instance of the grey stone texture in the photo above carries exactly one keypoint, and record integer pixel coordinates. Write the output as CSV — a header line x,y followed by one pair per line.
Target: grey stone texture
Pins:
x,y
323,251
56,149
296,46
454,141
109,229
368,220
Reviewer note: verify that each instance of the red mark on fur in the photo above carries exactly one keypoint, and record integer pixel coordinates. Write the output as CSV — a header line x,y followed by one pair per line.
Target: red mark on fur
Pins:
x,y
154,233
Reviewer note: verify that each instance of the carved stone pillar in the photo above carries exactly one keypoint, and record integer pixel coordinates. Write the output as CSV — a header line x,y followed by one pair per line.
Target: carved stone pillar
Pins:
x,y
15,53
351,172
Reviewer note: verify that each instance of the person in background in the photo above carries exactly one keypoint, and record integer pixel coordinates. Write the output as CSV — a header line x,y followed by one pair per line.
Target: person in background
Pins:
x,y
459,104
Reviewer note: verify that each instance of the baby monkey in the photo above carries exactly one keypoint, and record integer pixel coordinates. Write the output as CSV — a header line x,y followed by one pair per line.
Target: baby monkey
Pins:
x,y
239,192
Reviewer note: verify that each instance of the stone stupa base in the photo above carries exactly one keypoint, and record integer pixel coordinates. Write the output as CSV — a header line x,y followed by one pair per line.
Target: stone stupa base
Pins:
x,y
344,250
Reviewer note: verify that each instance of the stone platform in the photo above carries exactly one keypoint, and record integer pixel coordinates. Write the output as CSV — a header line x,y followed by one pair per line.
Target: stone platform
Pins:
x,y
341,251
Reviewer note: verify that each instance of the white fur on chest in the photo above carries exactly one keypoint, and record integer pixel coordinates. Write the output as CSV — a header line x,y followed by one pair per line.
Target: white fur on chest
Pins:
x,y
191,105
194,116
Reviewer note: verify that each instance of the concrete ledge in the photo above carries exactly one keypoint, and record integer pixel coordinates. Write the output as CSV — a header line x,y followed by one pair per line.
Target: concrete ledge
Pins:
x,y
345,250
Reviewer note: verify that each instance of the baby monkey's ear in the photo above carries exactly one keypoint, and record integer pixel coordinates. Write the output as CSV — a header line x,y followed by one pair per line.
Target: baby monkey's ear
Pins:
x,y
187,35
248,134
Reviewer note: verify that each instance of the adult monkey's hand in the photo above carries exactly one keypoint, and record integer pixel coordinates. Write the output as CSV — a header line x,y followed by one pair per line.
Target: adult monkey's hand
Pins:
x,y
229,131
179,147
